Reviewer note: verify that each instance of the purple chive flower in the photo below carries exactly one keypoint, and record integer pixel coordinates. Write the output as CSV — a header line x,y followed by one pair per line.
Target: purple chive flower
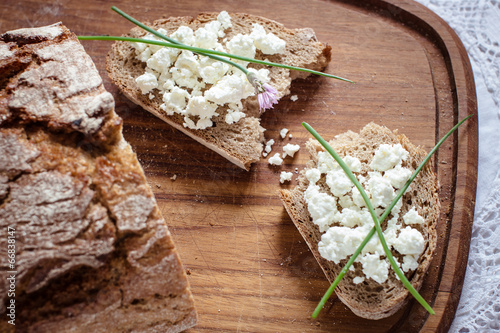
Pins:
x,y
267,97
266,93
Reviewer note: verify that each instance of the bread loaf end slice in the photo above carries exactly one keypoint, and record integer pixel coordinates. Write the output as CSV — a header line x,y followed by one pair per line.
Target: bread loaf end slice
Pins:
x,y
92,250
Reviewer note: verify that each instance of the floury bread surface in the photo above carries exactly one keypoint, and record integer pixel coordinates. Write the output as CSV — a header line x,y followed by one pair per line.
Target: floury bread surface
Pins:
x,y
240,142
93,253
370,299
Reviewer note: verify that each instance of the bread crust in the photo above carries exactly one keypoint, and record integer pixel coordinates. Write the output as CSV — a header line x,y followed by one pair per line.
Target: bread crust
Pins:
x,y
93,253
241,142
370,299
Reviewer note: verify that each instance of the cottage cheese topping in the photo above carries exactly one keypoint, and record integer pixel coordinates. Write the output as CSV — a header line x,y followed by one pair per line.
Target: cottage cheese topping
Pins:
x,y
322,207
341,214
412,217
181,77
268,43
388,156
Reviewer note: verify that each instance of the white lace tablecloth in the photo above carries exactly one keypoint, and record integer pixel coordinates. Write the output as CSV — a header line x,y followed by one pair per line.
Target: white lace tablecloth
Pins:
x,y
477,23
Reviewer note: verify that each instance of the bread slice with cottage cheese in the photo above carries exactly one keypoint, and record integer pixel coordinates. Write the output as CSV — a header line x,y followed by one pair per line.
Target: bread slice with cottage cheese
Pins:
x,y
368,299
239,139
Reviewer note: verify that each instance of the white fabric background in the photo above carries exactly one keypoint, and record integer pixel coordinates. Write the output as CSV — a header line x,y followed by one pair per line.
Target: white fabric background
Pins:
x,y
477,23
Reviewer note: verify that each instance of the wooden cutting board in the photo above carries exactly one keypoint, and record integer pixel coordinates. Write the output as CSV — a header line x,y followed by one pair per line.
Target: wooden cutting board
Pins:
x,y
249,269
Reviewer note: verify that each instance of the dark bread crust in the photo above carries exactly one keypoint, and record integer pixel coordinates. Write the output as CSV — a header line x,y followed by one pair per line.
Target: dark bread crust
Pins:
x,y
240,143
93,253
370,299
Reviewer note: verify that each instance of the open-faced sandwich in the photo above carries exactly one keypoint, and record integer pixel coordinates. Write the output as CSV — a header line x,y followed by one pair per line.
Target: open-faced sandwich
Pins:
x,y
331,215
211,101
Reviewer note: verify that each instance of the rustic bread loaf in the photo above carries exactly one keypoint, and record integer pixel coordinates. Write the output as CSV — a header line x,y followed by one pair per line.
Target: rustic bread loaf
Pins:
x,y
93,253
241,142
371,299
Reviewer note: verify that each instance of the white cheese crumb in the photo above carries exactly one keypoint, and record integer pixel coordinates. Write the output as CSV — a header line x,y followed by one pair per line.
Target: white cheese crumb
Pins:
x,y
388,156
374,267
357,198
409,263
233,116
397,208
242,45
229,89
321,206
269,145
358,279
398,176
313,175
339,242
338,182
381,190
146,82
409,241
224,19
412,217
294,98
203,109
162,60
275,159
175,100
283,132
351,217
184,35
212,71
267,43
353,163
285,176
345,201
290,149
326,162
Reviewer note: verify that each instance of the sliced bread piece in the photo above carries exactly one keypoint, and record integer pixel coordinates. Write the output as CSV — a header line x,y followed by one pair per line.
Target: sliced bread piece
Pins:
x,y
369,298
239,142
92,251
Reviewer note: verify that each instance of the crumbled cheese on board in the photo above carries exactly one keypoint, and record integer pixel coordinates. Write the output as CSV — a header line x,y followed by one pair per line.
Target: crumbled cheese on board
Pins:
x,y
275,159
285,176
290,150
268,147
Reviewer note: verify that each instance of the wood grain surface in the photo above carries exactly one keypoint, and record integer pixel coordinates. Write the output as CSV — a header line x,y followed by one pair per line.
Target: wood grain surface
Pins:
x,y
248,267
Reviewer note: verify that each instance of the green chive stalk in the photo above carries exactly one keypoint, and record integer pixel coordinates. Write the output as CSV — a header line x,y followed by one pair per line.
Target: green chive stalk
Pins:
x,y
173,41
376,220
216,55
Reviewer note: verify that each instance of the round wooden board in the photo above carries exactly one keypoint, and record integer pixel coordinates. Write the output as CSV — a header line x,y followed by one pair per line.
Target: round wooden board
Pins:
x,y
248,267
